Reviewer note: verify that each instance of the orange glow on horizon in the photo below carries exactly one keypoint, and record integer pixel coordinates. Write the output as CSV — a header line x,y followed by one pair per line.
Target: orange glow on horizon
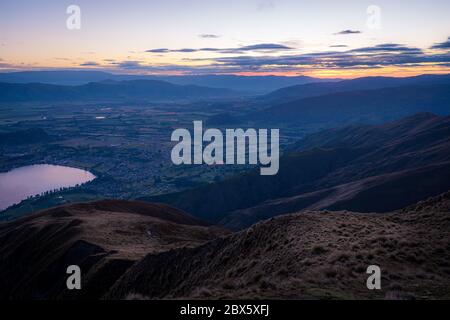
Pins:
x,y
357,73
388,71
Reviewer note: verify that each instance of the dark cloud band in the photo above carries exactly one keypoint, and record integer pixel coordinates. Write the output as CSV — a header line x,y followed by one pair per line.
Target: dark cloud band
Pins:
x,y
255,47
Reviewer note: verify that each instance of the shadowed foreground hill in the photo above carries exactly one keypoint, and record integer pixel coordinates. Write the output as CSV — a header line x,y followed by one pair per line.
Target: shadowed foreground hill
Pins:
x,y
133,250
104,238
308,255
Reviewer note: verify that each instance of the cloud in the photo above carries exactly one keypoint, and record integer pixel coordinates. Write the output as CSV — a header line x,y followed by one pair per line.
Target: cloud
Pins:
x,y
89,64
208,36
339,46
374,57
265,46
389,47
236,50
348,31
129,64
159,50
368,57
442,45
186,50
211,49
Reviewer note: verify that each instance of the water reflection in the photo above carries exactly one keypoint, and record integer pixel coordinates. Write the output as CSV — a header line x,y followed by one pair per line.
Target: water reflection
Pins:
x,y
21,183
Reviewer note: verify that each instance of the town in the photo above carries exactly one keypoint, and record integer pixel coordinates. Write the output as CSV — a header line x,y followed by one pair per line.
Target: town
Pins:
x,y
234,147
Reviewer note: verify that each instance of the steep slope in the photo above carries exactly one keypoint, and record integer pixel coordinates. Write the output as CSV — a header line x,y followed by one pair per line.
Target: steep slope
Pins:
x,y
104,238
379,194
308,255
369,106
405,161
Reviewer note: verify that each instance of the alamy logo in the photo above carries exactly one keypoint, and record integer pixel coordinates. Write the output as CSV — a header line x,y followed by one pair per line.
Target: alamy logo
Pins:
x,y
235,151
73,22
374,17
374,280
74,280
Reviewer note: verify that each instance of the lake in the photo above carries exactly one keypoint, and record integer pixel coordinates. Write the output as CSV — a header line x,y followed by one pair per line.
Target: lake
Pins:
x,y
19,184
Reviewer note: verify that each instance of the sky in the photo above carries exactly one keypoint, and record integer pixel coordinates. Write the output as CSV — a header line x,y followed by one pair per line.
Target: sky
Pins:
x,y
346,39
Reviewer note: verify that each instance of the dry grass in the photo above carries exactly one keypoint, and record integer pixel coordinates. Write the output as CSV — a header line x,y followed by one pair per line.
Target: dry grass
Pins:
x,y
311,255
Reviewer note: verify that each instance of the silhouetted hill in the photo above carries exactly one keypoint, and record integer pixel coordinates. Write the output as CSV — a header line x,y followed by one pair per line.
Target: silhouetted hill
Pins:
x,y
380,193
104,238
359,84
349,168
108,90
255,84
368,106
60,77
308,255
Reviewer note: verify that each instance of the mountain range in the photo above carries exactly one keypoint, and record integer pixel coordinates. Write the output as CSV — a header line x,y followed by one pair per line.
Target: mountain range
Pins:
x,y
365,106
359,84
366,168
253,84
133,90
369,189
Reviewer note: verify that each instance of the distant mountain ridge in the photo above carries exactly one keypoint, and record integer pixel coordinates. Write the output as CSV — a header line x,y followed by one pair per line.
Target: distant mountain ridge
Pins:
x,y
359,84
360,106
109,91
254,84
61,77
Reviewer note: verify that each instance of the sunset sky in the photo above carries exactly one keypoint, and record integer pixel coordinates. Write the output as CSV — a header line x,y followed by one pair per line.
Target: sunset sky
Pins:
x,y
291,37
